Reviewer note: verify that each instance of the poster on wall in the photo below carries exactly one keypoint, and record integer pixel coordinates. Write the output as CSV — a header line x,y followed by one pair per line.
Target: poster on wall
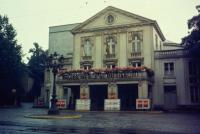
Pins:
x,y
82,104
112,104
143,104
61,103
40,102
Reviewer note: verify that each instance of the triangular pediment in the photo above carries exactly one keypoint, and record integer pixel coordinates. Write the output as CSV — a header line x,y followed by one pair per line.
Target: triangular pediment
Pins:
x,y
111,17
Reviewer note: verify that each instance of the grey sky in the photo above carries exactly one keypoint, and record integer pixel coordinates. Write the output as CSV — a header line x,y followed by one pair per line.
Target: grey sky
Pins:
x,y
31,18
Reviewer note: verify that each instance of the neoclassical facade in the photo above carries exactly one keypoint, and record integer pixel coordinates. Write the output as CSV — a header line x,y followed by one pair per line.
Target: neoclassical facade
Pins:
x,y
118,56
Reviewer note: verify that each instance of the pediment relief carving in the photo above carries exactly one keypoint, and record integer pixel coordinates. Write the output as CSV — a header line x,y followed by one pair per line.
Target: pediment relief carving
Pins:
x,y
110,17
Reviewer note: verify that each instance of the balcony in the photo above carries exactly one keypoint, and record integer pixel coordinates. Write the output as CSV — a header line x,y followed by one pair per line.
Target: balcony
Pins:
x,y
68,61
106,75
136,54
110,56
171,54
86,58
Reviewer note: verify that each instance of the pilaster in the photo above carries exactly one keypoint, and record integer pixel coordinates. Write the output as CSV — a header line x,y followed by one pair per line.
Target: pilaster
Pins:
x,y
84,91
112,91
143,89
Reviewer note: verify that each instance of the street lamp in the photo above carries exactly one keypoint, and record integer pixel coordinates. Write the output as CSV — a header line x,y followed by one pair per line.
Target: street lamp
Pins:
x,y
54,62
14,93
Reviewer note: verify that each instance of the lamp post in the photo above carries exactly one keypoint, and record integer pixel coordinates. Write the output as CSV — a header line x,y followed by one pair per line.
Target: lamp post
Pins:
x,y
14,93
54,62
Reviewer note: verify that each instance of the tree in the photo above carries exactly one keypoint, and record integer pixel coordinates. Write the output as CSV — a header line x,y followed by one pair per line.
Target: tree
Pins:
x,y
192,41
36,67
11,66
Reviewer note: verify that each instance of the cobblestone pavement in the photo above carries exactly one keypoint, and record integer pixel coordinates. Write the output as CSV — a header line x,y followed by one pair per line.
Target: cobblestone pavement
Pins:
x,y
13,121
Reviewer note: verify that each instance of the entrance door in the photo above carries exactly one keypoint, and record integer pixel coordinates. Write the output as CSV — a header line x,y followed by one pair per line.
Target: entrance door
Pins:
x,y
170,97
73,94
128,93
98,93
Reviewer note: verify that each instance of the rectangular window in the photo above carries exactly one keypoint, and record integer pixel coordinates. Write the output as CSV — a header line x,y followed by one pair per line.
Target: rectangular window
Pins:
x,y
136,45
87,67
136,64
195,94
156,41
169,68
110,66
192,68
160,45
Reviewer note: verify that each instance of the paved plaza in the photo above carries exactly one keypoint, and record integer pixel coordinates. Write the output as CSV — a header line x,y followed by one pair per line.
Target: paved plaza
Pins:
x,y
13,121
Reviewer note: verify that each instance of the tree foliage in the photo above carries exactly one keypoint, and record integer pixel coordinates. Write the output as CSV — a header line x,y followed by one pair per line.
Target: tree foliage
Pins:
x,y
11,67
192,41
36,66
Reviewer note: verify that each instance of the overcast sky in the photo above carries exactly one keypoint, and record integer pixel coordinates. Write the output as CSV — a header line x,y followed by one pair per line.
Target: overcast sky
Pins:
x,y
32,18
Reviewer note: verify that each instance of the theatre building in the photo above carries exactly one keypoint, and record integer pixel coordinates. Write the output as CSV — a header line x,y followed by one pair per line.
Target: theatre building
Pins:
x,y
117,60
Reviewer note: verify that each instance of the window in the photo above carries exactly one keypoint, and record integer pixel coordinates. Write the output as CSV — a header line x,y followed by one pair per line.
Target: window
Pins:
x,y
111,66
136,64
160,45
110,19
192,68
136,45
156,41
169,68
87,67
194,94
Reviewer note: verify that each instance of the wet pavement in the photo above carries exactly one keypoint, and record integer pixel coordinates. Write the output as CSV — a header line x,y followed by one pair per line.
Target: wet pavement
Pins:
x,y
13,121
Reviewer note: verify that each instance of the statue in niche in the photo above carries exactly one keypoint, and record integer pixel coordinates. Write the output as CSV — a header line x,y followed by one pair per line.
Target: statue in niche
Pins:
x,y
87,48
110,45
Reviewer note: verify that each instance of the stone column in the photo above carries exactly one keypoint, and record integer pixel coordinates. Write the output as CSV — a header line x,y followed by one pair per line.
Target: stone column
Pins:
x,y
59,91
143,89
112,91
84,91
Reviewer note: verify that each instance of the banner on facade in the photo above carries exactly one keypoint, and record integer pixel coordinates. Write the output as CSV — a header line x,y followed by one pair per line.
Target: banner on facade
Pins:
x,y
143,104
112,104
61,103
83,104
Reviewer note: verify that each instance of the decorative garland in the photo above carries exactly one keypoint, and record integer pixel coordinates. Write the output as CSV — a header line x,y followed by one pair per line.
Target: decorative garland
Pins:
x,y
106,70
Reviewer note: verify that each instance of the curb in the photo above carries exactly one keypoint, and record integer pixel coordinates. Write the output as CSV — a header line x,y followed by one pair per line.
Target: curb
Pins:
x,y
131,112
53,116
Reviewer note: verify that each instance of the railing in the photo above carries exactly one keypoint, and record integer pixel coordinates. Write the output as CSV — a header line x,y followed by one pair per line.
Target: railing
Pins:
x,y
86,57
110,56
136,54
68,61
171,53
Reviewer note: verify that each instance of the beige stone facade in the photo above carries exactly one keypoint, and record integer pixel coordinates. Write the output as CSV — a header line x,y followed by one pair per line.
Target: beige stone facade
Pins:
x,y
116,54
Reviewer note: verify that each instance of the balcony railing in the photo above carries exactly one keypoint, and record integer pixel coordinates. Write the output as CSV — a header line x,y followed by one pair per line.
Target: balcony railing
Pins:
x,y
110,56
87,58
136,54
68,61
171,53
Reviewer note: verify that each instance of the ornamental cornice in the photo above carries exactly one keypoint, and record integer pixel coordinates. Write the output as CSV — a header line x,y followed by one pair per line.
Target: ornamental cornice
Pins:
x,y
114,29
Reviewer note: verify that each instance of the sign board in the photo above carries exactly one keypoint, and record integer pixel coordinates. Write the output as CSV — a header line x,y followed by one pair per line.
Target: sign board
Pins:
x,y
40,102
112,104
61,103
83,104
143,104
